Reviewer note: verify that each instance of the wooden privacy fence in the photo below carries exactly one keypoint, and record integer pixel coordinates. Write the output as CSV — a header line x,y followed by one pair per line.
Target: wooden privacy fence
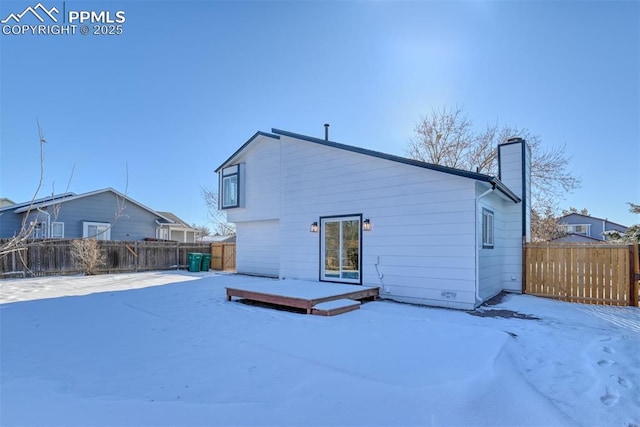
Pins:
x,y
585,273
53,257
223,256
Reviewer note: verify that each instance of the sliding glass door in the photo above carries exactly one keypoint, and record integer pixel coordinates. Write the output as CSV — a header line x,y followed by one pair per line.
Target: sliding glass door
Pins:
x,y
340,258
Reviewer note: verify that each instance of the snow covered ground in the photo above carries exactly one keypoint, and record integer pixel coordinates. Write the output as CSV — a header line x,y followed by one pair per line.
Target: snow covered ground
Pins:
x,y
163,349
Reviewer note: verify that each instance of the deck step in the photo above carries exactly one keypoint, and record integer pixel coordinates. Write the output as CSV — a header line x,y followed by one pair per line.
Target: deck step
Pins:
x,y
335,307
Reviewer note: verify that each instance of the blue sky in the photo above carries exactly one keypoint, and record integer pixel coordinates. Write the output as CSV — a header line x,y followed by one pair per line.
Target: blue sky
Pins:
x,y
188,82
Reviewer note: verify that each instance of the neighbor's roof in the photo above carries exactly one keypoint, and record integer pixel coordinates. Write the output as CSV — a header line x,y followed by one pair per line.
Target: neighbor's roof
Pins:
x,y
36,201
67,197
175,219
276,133
582,236
592,217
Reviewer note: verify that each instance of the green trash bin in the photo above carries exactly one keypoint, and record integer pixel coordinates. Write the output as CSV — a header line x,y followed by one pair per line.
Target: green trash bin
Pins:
x,y
195,259
206,262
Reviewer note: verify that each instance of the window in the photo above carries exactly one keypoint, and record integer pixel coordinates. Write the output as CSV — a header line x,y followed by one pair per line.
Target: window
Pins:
x,y
583,229
487,229
38,230
163,233
230,187
96,230
57,230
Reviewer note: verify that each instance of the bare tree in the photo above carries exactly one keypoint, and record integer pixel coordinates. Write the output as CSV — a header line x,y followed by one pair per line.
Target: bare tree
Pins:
x,y
447,137
444,137
583,211
87,254
218,217
545,225
17,242
201,230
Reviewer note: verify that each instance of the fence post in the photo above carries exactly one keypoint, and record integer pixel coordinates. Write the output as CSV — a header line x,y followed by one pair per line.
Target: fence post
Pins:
x,y
635,274
524,265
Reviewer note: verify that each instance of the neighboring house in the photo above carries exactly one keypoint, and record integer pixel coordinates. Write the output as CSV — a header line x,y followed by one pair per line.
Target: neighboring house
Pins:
x,y
6,202
312,209
219,239
586,228
103,214
176,230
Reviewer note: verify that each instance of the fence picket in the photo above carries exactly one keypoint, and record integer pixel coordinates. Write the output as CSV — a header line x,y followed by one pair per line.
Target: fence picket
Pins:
x,y
585,273
53,257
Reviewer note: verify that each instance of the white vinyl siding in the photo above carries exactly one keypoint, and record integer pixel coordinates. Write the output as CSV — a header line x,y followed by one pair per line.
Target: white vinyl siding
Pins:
x,y
257,245
500,265
423,223
425,243
259,183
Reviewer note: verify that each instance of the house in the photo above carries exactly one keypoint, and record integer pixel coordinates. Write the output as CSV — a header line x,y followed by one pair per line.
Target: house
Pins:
x,y
6,202
176,230
312,209
104,214
586,228
219,239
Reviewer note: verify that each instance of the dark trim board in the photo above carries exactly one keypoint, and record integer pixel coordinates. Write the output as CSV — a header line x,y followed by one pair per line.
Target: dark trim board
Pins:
x,y
321,235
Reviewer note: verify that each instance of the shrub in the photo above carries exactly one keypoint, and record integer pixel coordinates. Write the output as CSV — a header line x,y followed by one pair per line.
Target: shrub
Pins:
x,y
87,255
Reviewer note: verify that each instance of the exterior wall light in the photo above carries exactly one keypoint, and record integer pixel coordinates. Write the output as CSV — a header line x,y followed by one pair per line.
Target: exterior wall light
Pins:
x,y
366,225
314,227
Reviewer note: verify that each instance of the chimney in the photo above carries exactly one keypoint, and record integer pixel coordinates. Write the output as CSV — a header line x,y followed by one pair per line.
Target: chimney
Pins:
x,y
514,170
326,131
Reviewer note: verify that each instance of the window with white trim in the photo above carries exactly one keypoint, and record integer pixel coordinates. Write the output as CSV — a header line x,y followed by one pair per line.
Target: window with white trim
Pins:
x,y
163,233
230,187
57,230
96,230
584,229
487,229
39,229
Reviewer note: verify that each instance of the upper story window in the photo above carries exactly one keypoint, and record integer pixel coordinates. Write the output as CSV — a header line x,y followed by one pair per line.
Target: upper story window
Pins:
x,y
584,229
230,187
487,229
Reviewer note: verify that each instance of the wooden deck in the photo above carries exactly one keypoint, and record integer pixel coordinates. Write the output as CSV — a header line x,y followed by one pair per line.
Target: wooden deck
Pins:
x,y
304,295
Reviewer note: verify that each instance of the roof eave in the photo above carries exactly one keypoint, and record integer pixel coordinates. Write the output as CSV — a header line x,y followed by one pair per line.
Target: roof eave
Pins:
x,y
244,146
504,190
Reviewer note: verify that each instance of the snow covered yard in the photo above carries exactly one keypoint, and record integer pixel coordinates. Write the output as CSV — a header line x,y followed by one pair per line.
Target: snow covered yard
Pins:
x,y
168,349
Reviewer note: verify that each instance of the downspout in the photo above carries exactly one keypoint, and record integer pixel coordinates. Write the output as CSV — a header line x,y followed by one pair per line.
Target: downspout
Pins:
x,y
478,242
158,229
